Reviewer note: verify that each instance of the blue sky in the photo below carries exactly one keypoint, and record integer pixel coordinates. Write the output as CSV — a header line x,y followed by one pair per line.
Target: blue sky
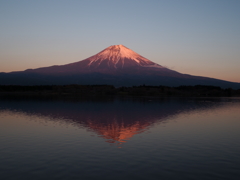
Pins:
x,y
198,37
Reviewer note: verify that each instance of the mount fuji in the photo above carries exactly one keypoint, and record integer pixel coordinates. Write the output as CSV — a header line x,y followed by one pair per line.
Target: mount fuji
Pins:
x,y
116,65
116,59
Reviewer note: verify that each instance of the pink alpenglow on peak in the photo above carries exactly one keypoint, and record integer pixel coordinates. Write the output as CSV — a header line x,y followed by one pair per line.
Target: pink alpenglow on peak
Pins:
x,y
119,56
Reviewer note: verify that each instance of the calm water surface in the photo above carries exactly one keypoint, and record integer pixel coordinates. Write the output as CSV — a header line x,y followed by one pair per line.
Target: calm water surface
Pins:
x,y
120,139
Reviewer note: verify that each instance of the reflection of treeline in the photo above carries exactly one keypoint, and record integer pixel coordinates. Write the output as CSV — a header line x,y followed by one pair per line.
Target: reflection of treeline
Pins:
x,y
109,90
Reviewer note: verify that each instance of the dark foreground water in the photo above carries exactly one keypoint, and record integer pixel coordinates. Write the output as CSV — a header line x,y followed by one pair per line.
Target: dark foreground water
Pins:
x,y
120,139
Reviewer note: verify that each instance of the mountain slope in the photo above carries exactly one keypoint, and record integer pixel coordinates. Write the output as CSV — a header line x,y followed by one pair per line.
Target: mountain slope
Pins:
x,y
116,58
116,65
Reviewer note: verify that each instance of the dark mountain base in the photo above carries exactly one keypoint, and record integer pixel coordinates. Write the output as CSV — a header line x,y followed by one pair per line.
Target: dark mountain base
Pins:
x,y
27,79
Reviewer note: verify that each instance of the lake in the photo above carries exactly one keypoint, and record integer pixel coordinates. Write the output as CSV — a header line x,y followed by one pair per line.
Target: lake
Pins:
x,y
142,139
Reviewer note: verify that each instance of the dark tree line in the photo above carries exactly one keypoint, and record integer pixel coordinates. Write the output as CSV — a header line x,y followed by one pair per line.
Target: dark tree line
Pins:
x,y
109,90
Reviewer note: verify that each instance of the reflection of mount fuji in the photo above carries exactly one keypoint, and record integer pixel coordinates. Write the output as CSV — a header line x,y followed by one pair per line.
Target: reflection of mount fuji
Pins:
x,y
116,121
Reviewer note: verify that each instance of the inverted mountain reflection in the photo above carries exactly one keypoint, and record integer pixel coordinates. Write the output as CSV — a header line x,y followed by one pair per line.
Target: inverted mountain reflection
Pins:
x,y
116,121
118,132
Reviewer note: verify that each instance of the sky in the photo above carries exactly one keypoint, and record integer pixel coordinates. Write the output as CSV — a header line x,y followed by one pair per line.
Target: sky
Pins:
x,y
197,37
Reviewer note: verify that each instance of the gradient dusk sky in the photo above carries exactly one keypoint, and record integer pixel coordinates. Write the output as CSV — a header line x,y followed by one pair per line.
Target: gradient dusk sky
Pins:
x,y
197,37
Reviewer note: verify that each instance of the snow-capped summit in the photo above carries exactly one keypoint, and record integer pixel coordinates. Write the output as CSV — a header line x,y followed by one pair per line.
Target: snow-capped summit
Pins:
x,y
118,56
